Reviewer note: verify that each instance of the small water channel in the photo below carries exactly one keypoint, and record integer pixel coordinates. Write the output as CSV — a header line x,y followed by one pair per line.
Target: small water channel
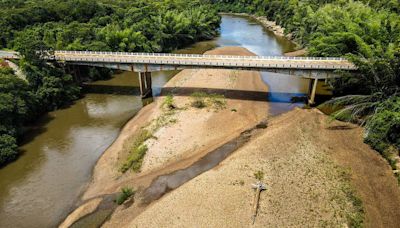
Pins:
x,y
41,187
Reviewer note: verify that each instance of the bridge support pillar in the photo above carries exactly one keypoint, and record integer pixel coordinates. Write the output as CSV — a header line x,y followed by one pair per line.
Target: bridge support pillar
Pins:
x,y
145,84
312,91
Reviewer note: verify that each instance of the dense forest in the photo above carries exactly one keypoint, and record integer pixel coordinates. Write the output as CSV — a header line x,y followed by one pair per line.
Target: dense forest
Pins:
x,y
368,33
121,25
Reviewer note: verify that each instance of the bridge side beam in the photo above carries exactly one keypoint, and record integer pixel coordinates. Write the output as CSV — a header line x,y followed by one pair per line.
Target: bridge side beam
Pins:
x,y
145,84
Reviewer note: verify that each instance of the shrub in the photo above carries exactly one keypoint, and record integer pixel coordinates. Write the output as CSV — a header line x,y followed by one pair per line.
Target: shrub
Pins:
x,y
124,195
383,128
8,148
199,100
202,100
135,159
137,153
218,101
198,104
169,102
259,175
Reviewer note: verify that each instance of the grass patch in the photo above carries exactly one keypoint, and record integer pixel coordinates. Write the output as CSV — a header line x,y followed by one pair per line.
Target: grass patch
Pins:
x,y
198,100
390,155
198,104
135,159
202,100
137,152
162,121
356,215
137,149
125,194
168,102
259,175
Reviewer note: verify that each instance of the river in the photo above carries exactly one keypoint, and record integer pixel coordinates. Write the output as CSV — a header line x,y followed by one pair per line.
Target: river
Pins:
x,y
58,154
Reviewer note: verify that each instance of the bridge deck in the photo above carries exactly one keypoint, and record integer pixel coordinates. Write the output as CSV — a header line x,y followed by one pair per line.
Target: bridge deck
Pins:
x,y
279,62
224,61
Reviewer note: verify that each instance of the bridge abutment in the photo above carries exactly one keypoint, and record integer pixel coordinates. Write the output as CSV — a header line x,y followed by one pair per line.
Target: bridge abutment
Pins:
x,y
145,84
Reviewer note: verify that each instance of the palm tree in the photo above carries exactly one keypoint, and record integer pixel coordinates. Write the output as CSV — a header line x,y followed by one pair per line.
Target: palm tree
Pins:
x,y
377,81
374,100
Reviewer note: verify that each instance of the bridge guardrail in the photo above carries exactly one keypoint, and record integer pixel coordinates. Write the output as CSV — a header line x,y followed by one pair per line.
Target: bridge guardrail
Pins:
x,y
13,54
210,63
198,56
195,59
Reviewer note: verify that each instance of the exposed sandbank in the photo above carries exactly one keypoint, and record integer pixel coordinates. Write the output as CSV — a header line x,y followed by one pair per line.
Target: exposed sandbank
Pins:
x,y
308,165
195,131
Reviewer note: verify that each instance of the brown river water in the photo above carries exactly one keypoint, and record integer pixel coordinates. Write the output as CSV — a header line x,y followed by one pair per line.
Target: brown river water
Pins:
x,y
58,155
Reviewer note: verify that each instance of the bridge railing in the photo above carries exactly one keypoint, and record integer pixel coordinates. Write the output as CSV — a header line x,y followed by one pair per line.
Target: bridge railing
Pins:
x,y
197,56
205,63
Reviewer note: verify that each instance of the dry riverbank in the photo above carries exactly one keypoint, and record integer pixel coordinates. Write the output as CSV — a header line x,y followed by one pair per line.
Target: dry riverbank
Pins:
x,y
314,170
187,133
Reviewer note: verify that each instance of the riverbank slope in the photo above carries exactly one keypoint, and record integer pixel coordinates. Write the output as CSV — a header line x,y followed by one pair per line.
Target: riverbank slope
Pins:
x,y
316,173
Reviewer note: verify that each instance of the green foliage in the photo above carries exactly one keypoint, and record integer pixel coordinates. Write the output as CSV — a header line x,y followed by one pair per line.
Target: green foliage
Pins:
x,y
16,102
125,194
199,100
331,28
51,85
139,149
198,104
377,105
149,26
36,28
8,148
169,102
202,100
383,128
259,175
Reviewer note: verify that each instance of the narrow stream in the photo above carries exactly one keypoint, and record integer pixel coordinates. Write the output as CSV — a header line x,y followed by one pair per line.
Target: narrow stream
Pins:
x,y
41,187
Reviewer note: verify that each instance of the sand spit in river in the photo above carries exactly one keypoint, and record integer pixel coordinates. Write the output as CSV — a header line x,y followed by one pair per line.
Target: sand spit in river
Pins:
x,y
308,163
196,131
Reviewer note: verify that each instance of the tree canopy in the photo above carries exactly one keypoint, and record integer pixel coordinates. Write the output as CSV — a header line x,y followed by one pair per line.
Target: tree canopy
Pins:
x,y
36,27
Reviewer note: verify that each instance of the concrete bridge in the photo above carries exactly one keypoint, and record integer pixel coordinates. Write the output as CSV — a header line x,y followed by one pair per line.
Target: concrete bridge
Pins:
x,y
314,68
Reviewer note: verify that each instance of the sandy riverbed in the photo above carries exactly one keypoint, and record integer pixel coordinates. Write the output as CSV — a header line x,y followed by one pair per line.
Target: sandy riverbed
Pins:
x,y
309,164
194,132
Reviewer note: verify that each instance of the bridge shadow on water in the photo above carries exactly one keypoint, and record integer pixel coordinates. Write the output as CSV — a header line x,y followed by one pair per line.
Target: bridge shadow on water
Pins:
x,y
276,97
111,89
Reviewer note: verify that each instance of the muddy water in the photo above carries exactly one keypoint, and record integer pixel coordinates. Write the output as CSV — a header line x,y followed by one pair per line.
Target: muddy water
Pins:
x,y
41,187
247,33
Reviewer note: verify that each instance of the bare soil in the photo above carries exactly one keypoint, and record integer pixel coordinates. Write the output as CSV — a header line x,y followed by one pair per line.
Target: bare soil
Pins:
x,y
309,166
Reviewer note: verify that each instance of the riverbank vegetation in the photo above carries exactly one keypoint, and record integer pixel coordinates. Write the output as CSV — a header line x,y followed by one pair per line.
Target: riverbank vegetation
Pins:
x,y
366,32
213,101
122,25
125,194
13,111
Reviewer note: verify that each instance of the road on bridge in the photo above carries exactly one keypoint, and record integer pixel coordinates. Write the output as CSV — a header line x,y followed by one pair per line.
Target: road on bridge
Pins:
x,y
280,62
